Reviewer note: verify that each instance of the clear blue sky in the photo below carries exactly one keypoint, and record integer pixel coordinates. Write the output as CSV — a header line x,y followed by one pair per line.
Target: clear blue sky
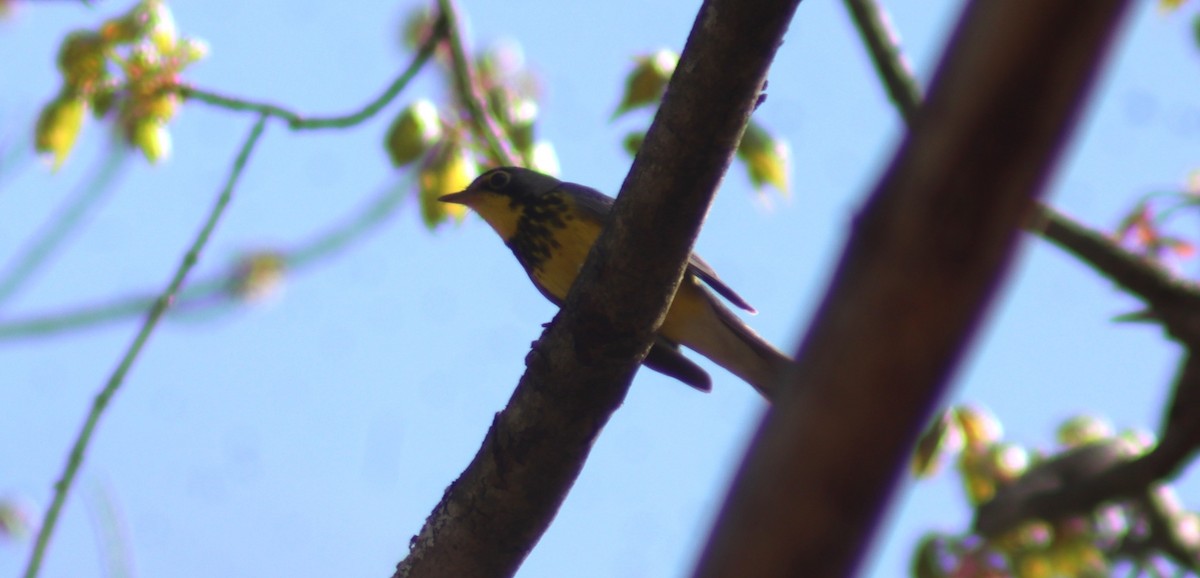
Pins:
x,y
311,436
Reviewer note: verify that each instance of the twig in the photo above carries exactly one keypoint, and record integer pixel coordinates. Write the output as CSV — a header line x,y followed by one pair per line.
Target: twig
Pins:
x,y
468,90
92,315
67,218
1165,532
203,291
1141,277
117,309
893,68
870,18
12,158
296,121
100,403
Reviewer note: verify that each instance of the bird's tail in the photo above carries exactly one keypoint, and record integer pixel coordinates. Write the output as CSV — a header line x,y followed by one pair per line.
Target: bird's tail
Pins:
x,y
738,348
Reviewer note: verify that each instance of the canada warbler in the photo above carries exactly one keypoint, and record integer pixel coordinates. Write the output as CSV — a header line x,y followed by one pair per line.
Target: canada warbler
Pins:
x,y
551,225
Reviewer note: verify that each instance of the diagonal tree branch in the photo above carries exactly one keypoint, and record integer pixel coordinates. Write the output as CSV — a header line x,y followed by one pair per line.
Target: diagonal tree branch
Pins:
x,y
579,372
100,403
924,258
1141,277
1173,301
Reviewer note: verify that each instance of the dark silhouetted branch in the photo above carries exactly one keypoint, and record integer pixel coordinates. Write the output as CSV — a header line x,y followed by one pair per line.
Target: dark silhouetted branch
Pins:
x,y
923,261
579,371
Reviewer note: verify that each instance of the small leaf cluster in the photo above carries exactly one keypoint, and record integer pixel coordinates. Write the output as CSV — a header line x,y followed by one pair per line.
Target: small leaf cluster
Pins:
x,y
1144,229
767,158
443,141
14,520
994,470
257,276
131,65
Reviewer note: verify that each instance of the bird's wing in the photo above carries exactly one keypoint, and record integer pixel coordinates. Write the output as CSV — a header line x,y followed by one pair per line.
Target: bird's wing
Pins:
x,y
697,267
590,202
597,205
665,358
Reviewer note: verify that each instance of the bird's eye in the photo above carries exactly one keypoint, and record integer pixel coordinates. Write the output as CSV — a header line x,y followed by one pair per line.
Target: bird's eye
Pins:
x,y
498,180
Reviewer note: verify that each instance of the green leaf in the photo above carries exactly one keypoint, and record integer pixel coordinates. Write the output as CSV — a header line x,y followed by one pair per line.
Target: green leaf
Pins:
x,y
414,130
152,137
767,159
58,127
932,446
450,170
1084,429
633,142
647,81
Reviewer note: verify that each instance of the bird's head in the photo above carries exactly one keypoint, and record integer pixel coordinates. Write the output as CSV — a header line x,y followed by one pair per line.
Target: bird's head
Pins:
x,y
503,195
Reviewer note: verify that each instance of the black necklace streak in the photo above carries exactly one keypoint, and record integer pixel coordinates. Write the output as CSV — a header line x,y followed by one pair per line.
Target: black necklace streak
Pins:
x,y
541,216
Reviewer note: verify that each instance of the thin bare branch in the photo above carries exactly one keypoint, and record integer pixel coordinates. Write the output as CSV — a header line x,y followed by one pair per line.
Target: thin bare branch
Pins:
x,y
79,449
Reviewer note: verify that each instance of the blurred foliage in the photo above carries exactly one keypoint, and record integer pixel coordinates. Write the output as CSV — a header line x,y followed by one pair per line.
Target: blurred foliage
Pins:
x,y
257,275
449,169
441,138
413,132
767,158
128,68
14,520
1144,229
646,83
131,64
1113,538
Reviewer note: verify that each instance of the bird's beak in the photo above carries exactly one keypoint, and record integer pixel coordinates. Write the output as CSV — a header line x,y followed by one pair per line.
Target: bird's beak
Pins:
x,y
460,198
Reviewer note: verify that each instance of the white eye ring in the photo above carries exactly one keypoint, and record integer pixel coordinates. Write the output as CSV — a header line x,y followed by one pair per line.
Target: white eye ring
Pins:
x,y
498,180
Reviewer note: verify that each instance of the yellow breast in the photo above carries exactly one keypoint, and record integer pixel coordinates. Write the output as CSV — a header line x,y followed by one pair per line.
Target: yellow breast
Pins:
x,y
558,271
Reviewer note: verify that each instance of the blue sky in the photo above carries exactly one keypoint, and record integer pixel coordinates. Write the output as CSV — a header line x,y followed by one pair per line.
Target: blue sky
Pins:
x,y
312,435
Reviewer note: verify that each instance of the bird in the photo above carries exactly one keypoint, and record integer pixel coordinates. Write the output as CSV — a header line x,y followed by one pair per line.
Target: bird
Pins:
x,y
550,226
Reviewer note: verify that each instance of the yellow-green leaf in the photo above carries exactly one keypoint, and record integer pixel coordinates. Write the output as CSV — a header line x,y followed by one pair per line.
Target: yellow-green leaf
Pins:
x,y
633,142
1196,30
979,426
767,159
977,476
1082,430
152,137
646,82
931,446
927,559
81,58
448,171
14,520
415,129
191,50
58,127
161,24
258,275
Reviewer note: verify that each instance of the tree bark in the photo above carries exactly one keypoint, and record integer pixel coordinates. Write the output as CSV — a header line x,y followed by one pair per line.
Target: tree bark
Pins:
x,y
578,374
923,261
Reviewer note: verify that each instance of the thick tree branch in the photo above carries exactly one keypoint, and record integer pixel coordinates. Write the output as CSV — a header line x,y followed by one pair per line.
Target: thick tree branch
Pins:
x,y
579,372
1173,301
924,258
